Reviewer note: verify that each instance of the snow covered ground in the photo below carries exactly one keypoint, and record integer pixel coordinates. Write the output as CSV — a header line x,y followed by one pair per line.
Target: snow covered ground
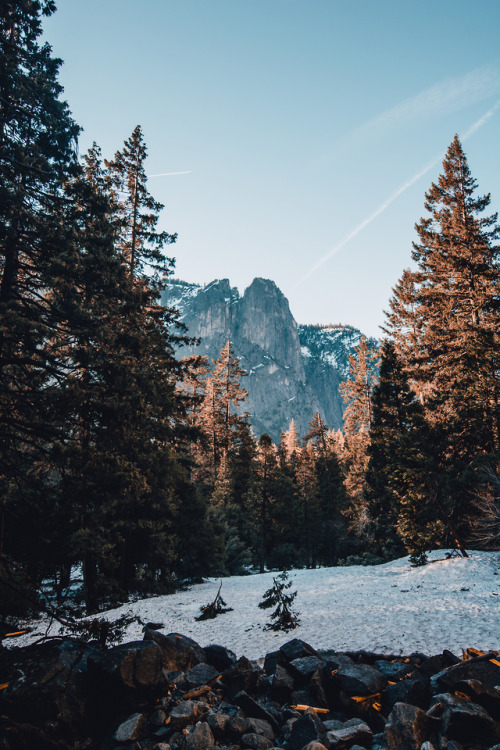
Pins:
x,y
392,608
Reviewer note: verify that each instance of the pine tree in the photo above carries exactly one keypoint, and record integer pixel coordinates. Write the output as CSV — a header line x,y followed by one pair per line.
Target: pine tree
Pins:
x,y
139,241
332,495
357,395
283,617
400,498
37,157
450,307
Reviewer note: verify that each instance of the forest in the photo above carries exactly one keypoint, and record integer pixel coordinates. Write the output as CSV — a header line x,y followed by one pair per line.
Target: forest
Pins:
x,y
139,468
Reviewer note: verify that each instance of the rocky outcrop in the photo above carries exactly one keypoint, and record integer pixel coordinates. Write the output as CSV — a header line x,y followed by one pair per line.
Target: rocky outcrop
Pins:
x,y
67,694
292,371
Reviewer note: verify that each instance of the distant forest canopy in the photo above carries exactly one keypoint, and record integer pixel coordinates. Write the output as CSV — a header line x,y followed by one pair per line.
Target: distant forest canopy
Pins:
x,y
142,471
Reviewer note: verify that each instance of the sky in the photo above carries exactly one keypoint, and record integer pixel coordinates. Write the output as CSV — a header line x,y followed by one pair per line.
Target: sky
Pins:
x,y
305,132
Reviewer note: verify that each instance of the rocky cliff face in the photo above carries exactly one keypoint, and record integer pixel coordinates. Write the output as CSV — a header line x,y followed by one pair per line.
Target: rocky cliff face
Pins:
x,y
292,371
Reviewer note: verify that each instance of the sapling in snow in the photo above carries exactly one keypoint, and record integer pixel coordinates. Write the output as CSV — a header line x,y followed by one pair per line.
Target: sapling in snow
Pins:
x,y
283,617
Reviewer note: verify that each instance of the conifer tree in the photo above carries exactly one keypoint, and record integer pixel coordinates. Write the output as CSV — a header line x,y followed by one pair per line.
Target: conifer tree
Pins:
x,y
357,395
37,157
449,305
283,617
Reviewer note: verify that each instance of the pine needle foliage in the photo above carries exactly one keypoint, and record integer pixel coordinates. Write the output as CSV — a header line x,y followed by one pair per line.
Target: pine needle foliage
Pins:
x,y
283,617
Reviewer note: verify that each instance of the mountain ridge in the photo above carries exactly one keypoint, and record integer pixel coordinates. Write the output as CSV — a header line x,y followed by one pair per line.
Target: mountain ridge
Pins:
x,y
292,371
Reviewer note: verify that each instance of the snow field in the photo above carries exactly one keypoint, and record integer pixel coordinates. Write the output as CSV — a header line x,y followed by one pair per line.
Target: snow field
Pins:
x,y
392,608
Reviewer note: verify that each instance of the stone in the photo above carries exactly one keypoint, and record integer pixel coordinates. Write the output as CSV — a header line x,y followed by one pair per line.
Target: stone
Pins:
x,y
261,726
218,724
336,661
130,729
200,674
360,679
296,649
238,725
463,720
410,691
318,687
483,695
350,733
428,668
393,670
314,745
47,683
134,666
179,652
406,728
309,728
254,709
219,657
483,671
241,676
256,741
271,661
200,738
186,713
304,667
158,718
281,684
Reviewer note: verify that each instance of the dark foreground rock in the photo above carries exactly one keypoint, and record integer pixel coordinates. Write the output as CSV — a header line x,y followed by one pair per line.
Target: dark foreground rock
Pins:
x,y
167,693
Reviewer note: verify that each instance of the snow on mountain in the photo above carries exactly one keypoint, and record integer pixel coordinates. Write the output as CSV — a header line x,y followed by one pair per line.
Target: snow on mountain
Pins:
x,y
304,364
450,603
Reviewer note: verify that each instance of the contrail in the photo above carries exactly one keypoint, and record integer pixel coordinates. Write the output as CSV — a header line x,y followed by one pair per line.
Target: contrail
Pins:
x,y
479,123
168,174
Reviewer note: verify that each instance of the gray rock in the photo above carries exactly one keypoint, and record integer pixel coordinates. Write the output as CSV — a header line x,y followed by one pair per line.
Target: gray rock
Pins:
x,y
179,652
256,741
281,684
309,728
238,724
130,729
314,746
406,728
200,738
463,720
296,649
218,724
350,733
483,671
186,713
219,657
304,667
483,695
261,726
135,666
252,708
393,670
410,691
200,674
359,679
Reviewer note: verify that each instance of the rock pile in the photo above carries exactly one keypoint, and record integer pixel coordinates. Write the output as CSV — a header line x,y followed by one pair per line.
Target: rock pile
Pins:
x,y
168,693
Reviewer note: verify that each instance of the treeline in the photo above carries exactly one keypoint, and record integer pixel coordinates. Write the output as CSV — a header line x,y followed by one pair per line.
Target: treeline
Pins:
x,y
139,469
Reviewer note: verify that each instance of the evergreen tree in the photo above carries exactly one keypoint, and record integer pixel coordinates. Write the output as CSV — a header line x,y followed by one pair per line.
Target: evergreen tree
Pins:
x,y
37,157
450,307
332,495
400,498
283,617
357,395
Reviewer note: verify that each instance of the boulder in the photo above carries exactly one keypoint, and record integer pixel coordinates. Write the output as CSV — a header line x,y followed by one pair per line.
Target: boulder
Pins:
x,y
200,674
354,731
129,669
296,649
130,729
483,695
309,728
281,684
179,652
304,667
261,726
482,671
254,709
200,738
47,686
360,679
187,713
219,657
393,670
241,676
256,741
463,720
406,728
410,691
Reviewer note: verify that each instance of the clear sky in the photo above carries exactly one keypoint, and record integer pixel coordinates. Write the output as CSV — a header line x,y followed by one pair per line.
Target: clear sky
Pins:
x,y
310,129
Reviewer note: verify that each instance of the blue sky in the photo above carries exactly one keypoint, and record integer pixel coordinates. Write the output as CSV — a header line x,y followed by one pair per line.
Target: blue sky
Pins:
x,y
310,129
